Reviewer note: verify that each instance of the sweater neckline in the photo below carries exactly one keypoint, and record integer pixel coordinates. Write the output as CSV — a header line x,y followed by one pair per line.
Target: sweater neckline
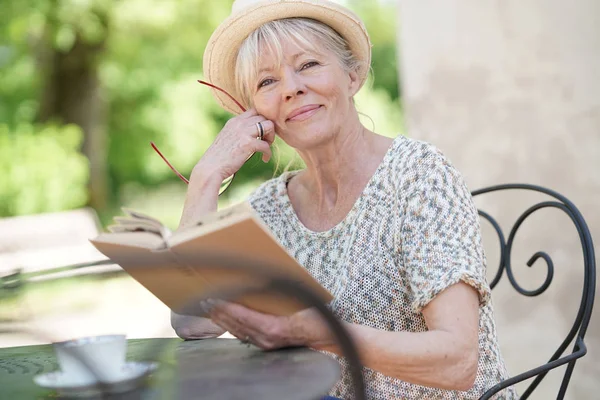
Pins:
x,y
372,184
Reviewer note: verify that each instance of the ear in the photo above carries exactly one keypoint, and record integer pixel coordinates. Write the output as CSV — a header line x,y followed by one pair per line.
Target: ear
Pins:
x,y
353,83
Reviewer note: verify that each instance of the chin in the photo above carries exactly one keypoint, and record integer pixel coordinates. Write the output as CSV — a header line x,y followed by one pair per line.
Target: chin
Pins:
x,y
307,138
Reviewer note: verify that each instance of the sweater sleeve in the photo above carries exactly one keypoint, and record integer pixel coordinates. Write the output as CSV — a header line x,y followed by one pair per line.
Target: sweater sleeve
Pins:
x,y
440,238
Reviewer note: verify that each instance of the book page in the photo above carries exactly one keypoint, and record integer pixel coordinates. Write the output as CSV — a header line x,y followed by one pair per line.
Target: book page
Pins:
x,y
145,240
138,215
126,224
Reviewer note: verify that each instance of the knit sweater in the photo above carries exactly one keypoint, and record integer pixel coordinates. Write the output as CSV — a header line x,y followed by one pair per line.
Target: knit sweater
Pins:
x,y
413,232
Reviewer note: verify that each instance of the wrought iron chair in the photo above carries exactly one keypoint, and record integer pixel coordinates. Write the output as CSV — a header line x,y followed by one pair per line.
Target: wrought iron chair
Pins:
x,y
575,336
577,333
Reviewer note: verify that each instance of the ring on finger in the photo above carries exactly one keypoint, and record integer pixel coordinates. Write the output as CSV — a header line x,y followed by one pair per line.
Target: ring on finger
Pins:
x,y
261,131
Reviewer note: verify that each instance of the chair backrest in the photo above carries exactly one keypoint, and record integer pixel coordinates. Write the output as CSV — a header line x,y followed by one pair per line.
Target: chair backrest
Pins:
x,y
577,333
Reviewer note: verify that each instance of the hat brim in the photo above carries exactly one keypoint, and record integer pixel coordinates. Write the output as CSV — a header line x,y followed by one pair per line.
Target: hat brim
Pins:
x,y
222,48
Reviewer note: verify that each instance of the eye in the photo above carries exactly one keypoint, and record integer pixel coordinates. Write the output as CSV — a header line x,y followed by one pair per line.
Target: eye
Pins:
x,y
265,82
308,65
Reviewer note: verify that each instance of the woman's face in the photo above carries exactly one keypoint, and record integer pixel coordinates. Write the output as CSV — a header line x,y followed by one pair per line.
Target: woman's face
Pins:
x,y
308,97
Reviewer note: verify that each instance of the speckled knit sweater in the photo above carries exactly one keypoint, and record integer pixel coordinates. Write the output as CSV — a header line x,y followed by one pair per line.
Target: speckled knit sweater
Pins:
x,y
413,232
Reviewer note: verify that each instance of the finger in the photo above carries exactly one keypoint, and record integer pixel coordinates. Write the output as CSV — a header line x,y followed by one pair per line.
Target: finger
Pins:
x,y
219,316
263,147
227,326
239,316
253,122
235,311
244,119
269,129
236,324
236,329
251,326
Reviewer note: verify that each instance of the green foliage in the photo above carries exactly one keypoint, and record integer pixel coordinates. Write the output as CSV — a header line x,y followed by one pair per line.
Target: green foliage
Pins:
x,y
380,19
18,79
379,112
42,169
151,59
150,72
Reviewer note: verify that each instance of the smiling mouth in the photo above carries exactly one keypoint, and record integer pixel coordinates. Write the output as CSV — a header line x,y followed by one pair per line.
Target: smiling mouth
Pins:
x,y
305,115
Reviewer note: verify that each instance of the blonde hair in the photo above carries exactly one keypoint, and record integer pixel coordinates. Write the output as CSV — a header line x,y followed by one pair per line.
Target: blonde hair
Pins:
x,y
307,33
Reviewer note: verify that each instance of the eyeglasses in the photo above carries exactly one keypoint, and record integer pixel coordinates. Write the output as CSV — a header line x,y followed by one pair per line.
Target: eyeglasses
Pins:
x,y
227,182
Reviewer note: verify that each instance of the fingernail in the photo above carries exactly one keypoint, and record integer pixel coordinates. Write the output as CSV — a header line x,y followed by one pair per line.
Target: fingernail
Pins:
x,y
209,305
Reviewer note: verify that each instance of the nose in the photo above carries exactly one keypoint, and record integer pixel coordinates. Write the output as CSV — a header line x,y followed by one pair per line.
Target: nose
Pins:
x,y
292,85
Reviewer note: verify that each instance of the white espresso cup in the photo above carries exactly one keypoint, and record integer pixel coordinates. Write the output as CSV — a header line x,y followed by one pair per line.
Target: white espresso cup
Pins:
x,y
91,360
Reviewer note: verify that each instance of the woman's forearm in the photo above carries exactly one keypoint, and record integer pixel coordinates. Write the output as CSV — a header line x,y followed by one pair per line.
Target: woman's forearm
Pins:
x,y
435,358
201,198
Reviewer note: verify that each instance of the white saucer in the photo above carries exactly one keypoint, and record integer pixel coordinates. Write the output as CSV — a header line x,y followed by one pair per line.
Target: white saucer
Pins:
x,y
133,375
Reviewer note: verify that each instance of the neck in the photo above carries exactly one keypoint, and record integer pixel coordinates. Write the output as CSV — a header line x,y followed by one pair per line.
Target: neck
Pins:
x,y
335,170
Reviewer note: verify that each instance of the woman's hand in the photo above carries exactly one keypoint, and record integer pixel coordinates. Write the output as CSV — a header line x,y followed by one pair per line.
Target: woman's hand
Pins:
x,y
226,155
235,143
269,332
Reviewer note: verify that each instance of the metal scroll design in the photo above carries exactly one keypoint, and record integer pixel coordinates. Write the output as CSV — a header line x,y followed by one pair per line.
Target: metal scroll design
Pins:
x,y
578,330
575,336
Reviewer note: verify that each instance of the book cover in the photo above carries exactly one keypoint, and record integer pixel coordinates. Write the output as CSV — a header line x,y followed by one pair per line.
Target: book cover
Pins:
x,y
222,253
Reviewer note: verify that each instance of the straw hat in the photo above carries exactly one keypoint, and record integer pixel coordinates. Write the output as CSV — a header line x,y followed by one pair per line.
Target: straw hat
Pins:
x,y
247,15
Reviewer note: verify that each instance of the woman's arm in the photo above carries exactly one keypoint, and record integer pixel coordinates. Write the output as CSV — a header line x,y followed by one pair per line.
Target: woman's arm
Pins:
x,y
225,156
201,198
445,357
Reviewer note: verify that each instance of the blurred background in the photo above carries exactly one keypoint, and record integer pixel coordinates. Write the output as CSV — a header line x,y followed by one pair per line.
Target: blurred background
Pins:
x,y
507,89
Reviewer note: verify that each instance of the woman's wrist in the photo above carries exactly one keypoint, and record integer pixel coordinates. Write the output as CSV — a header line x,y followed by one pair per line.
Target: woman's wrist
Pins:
x,y
206,177
309,329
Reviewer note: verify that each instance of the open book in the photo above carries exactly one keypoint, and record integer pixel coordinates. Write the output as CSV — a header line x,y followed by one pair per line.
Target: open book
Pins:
x,y
182,267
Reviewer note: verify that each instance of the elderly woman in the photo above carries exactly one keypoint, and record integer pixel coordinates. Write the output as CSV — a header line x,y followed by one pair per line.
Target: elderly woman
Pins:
x,y
387,226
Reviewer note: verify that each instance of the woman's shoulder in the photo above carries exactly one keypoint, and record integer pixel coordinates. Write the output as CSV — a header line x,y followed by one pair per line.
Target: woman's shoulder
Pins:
x,y
266,191
271,196
410,153
414,161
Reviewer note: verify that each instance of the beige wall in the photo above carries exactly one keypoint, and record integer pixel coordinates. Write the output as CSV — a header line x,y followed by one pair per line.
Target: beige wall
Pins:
x,y
510,91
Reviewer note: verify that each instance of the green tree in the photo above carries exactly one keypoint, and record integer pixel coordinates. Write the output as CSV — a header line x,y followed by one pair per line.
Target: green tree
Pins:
x,y
380,20
125,73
